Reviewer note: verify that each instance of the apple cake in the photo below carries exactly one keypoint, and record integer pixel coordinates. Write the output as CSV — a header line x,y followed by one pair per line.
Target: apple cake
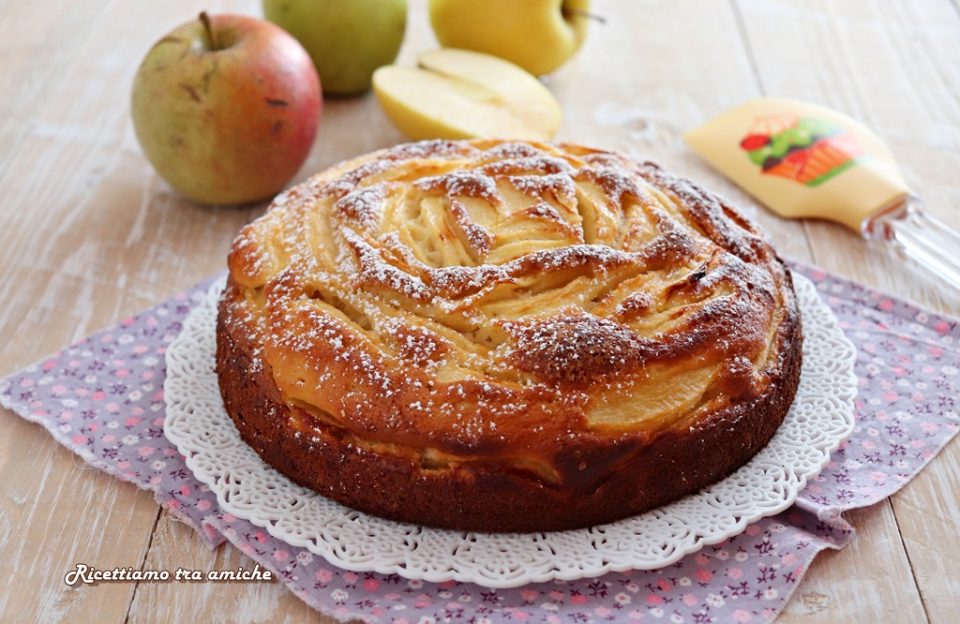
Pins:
x,y
505,336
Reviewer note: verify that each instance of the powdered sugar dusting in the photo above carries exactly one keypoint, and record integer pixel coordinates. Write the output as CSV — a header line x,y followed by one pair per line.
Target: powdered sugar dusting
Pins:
x,y
578,348
478,237
454,279
375,272
558,185
363,205
463,184
536,165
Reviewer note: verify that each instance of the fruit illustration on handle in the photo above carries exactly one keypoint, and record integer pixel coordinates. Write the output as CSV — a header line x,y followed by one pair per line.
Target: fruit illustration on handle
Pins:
x,y
804,149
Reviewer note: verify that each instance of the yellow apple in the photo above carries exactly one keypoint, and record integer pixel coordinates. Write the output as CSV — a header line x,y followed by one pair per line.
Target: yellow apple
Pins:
x,y
458,94
537,35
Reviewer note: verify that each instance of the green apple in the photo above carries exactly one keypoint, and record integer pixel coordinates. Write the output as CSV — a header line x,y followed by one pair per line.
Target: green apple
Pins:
x,y
347,39
226,108
458,94
537,35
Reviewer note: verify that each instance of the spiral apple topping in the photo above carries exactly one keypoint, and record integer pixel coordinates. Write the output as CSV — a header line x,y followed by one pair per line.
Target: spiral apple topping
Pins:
x,y
488,300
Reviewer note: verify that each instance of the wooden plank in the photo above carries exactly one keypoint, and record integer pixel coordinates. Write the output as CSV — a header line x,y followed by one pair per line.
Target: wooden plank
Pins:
x,y
906,88
177,546
56,512
860,583
927,512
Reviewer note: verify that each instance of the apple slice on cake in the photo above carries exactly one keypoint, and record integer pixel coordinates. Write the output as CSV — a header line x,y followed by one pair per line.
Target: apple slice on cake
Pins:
x,y
458,94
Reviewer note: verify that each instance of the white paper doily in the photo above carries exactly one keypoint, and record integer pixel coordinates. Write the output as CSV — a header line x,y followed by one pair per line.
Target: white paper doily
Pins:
x,y
819,420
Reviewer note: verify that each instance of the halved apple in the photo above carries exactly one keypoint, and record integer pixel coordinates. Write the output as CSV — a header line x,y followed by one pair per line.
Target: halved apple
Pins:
x,y
457,94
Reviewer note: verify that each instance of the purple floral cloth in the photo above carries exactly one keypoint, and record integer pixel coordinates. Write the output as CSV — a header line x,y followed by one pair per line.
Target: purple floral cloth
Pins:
x,y
103,399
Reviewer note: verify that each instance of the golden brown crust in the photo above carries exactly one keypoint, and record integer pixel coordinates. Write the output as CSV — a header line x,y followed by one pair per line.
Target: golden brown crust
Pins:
x,y
481,366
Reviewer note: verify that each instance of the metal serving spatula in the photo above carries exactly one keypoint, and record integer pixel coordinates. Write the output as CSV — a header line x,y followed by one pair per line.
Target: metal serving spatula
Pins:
x,y
804,160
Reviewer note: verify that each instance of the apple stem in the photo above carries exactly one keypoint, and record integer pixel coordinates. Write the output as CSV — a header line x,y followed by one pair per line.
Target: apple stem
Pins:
x,y
211,37
569,13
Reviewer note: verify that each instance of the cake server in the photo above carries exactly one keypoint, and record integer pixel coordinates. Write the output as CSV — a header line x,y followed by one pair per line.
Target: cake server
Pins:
x,y
804,160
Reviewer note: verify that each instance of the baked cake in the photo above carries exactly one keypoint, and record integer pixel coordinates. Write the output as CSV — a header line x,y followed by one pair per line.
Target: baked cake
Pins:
x,y
505,336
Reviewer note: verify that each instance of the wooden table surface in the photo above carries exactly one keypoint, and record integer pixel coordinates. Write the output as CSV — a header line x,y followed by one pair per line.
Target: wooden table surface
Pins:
x,y
89,234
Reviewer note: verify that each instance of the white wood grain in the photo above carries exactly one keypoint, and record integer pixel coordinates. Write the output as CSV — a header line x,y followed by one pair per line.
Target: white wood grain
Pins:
x,y
56,511
88,235
175,545
862,582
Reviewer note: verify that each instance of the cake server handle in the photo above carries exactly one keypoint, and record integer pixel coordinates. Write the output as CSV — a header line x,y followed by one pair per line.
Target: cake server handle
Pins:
x,y
921,237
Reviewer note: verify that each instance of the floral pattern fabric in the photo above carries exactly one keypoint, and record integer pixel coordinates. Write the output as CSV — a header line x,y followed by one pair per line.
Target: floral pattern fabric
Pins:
x,y
103,399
